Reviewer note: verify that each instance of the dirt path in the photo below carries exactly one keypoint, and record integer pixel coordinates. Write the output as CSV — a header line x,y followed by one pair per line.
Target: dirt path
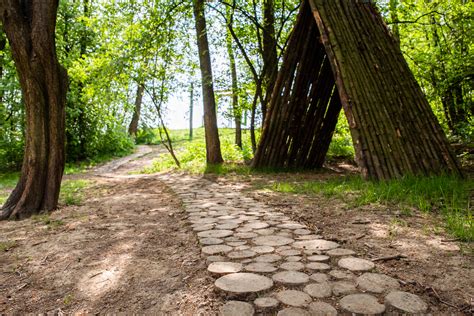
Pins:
x,y
125,248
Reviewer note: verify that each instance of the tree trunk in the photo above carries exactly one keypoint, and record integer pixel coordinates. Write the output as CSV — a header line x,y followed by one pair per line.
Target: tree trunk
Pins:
x,y
213,146
133,127
3,44
30,29
393,128
82,118
270,56
191,110
236,111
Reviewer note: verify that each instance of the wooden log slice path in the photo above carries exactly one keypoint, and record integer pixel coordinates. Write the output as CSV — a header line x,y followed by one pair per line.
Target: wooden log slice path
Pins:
x,y
261,264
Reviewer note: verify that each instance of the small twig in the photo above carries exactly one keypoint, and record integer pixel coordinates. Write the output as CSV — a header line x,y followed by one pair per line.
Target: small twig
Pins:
x,y
450,240
94,275
43,261
360,237
67,266
394,257
361,221
22,287
442,301
39,243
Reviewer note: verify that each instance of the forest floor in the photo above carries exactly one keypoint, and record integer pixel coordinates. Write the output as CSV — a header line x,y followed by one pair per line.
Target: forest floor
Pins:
x,y
127,246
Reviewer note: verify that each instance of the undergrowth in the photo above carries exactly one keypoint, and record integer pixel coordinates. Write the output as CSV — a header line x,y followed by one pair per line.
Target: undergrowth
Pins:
x,y
192,153
443,194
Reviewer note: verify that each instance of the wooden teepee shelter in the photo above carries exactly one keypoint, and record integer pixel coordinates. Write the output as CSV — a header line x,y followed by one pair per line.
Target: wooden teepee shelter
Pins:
x,y
341,55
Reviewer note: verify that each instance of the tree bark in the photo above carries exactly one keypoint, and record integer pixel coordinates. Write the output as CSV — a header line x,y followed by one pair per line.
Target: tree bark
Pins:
x,y
213,147
393,128
236,111
3,43
133,127
30,29
270,56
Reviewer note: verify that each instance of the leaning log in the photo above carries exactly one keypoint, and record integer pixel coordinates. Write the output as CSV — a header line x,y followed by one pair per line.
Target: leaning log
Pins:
x,y
341,54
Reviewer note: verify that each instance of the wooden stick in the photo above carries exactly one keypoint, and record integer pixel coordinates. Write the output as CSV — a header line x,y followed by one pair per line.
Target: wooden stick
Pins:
x,y
387,258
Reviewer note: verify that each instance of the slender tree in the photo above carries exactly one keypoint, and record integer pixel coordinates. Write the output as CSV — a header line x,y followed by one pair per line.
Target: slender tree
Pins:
x,y
80,104
213,147
30,29
3,43
133,127
235,90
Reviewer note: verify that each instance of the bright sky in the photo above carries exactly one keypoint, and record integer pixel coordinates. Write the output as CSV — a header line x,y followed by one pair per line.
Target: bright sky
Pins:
x,y
177,112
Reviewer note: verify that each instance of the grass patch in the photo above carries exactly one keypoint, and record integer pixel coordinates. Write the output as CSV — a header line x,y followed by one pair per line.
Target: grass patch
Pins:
x,y
7,245
192,153
448,195
46,220
72,191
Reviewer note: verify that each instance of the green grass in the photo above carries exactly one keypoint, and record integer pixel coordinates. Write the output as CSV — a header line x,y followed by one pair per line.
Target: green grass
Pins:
x,y
192,154
46,220
72,191
7,245
448,195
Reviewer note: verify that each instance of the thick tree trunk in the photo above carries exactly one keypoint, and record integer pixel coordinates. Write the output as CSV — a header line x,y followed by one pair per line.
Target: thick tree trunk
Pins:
x,y
270,56
213,146
30,28
393,128
236,111
133,127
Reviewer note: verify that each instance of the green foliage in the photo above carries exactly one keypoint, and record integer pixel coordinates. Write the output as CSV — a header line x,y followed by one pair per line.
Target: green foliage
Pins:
x,y
341,144
72,191
448,195
7,182
146,136
436,38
